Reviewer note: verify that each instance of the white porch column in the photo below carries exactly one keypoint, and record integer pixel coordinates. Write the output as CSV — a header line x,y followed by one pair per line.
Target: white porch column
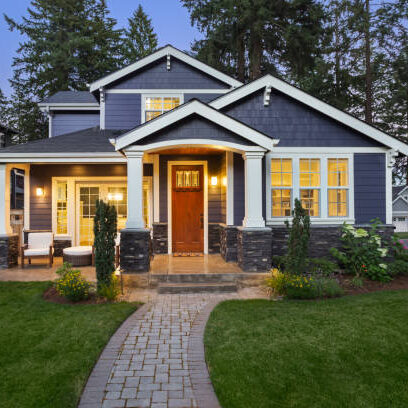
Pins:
x,y
230,187
253,190
135,190
5,227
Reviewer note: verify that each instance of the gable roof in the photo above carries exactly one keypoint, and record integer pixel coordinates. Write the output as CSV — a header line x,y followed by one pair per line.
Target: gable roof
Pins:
x,y
194,107
160,53
396,190
70,97
269,81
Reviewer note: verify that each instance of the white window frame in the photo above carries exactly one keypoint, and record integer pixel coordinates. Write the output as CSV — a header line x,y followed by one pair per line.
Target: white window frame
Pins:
x,y
158,95
323,217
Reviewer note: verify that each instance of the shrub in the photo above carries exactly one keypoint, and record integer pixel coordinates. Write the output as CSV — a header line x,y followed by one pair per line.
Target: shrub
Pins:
x,y
276,282
329,287
298,241
111,291
400,253
64,269
301,287
278,262
398,267
105,225
322,266
73,286
363,252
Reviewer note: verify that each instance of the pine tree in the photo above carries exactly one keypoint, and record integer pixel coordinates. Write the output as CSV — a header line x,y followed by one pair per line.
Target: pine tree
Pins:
x,y
140,39
67,44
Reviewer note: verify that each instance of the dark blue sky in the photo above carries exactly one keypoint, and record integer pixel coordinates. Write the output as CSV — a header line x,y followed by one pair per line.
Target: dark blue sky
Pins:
x,y
170,20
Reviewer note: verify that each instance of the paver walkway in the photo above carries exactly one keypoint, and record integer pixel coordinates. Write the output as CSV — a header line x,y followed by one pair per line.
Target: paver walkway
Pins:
x,y
147,360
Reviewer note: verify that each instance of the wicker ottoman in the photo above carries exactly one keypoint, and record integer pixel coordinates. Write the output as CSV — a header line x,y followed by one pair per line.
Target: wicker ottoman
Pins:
x,y
78,256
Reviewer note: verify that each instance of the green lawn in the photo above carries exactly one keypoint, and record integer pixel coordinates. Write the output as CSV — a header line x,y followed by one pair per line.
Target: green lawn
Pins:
x,y
47,350
401,235
346,352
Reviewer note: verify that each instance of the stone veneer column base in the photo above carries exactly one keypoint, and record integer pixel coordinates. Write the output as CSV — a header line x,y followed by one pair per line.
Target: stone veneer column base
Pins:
x,y
254,249
228,241
213,238
135,250
160,238
8,250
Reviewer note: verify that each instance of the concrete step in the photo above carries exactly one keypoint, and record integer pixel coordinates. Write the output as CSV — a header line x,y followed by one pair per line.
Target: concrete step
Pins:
x,y
197,278
173,288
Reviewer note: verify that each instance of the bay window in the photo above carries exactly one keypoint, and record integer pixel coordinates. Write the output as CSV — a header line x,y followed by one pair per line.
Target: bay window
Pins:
x,y
323,184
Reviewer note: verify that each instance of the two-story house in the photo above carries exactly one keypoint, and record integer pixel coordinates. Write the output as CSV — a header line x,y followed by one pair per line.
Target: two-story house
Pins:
x,y
198,162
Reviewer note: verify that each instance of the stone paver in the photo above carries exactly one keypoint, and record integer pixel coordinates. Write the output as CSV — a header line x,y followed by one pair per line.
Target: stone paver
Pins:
x,y
156,358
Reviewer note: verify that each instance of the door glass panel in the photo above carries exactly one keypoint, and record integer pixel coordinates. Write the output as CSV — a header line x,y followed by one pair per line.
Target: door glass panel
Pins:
x,y
117,196
87,209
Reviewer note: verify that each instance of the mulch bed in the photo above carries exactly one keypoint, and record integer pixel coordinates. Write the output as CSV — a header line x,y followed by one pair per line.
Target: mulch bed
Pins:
x,y
51,295
398,283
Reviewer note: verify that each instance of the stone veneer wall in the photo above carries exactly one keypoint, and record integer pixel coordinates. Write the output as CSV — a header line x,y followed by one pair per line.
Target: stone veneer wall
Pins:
x,y
135,251
214,230
8,251
60,245
228,242
254,249
160,238
322,238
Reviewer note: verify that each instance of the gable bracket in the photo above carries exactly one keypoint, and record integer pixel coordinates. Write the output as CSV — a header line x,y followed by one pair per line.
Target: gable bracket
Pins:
x,y
168,62
267,95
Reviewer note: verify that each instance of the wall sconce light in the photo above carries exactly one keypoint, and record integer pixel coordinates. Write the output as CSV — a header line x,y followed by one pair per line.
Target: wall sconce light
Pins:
x,y
39,191
224,181
214,180
115,196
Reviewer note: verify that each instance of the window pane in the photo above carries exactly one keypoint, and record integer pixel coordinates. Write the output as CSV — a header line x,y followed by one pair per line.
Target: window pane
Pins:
x,y
337,203
62,220
309,172
154,103
281,203
151,115
310,201
337,172
281,172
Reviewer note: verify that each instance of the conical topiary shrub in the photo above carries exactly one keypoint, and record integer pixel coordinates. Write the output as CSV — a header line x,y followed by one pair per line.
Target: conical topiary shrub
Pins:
x,y
105,224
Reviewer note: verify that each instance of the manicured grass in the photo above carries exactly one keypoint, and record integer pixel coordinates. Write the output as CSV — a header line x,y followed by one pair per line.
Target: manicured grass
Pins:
x,y
347,352
401,235
47,351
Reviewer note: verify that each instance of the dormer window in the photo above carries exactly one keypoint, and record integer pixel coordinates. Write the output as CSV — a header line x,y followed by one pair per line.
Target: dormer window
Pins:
x,y
155,105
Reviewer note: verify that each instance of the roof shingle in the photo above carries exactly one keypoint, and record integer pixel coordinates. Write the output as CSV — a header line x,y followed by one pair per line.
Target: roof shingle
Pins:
x,y
71,97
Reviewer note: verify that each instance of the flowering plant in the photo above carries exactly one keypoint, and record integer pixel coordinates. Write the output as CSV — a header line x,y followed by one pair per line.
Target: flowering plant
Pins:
x,y
363,252
73,286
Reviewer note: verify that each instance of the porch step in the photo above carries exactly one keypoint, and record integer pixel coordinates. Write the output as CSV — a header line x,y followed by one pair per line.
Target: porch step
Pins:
x,y
171,288
194,278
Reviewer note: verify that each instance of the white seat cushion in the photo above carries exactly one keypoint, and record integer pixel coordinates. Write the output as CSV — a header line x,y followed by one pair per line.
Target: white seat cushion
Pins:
x,y
37,252
37,240
78,250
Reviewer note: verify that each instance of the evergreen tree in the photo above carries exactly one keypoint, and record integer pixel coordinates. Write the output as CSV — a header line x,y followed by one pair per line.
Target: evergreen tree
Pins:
x,y
67,44
140,39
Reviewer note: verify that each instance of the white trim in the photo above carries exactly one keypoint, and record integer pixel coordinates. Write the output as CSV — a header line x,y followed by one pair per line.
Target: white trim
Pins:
x,y
102,98
158,95
168,91
163,52
203,110
400,193
73,106
156,188
49,115
62,158
309,100
326,150
5,227
169,200
215,144
229,156
400,198
27,193
389,163
323,217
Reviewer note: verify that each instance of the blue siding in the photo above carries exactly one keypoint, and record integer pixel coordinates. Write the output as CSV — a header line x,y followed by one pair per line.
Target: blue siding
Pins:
x,y
63,123
122,111
180,76
215,198
369,187
195,128
200,96
239,189
294,123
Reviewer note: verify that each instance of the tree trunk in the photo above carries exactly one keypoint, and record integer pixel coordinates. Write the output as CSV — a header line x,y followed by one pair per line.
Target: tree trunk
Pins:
x,y
255,53
241,57
368,74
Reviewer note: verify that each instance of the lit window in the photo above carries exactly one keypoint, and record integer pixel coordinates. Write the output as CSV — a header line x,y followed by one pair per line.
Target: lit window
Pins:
x,y
62,223
309,176
155,106
147,202
117,196
337,176
187,178
281,179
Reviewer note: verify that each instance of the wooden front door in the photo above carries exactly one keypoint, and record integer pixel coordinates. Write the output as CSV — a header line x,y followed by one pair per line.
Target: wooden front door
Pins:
x,y
187,208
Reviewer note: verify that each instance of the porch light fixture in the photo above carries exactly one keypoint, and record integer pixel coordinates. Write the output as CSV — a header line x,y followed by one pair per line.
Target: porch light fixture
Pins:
x,y
224,181
39,191
214,180
115,196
